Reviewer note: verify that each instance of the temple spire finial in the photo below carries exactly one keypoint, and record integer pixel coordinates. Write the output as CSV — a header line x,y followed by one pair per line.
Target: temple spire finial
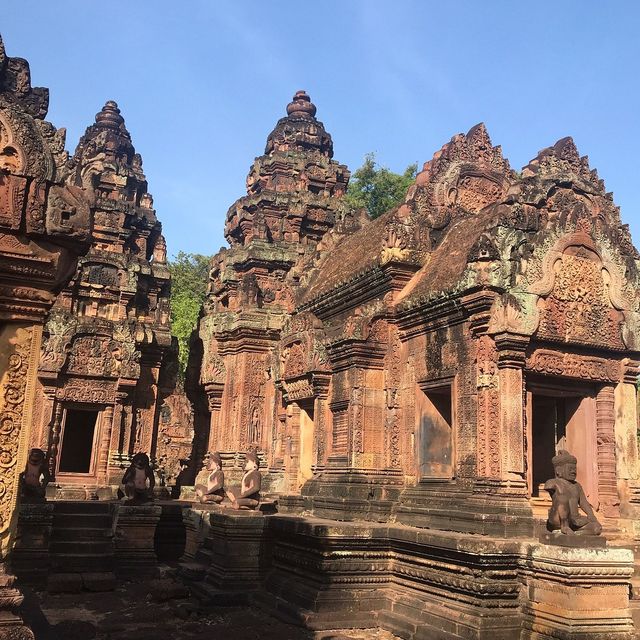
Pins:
x,y
109,116
301,106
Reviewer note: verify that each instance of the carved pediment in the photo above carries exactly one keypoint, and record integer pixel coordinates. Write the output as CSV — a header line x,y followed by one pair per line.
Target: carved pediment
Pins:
x,y
465,176
111,356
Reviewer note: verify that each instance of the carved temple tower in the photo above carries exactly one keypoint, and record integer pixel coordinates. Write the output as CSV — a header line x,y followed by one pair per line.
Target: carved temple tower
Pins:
x,y
108,333
294,198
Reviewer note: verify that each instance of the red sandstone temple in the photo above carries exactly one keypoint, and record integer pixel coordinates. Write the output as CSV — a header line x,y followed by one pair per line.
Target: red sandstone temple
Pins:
x,y
406,382
421,370
439,353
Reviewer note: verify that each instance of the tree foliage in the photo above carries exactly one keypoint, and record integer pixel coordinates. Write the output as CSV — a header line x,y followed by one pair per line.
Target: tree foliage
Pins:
x,y
189,275
378,189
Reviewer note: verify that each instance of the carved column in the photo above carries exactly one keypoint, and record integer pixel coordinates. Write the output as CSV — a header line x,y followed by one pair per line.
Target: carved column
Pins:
x,y
105,441
605,428
19,350
54,442
117,442
48,402
511,359
320,434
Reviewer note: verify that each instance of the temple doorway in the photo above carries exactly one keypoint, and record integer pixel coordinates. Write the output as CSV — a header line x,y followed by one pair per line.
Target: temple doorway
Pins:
x,y
435,434
306,440
78,441
561,415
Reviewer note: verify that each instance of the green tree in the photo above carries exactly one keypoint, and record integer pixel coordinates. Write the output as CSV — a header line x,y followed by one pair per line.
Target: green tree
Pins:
x,y
378,189
189,275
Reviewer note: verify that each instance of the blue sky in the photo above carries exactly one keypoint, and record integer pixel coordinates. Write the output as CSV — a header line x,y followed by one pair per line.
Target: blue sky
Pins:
x,y
202,83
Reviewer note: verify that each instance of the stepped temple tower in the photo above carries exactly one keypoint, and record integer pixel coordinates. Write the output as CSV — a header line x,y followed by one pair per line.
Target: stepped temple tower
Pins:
x,y
414,375
292,212
44,226
108,332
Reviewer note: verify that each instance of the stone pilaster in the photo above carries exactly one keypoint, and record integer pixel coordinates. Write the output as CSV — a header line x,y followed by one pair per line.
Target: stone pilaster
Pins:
x,y
605,426
626,437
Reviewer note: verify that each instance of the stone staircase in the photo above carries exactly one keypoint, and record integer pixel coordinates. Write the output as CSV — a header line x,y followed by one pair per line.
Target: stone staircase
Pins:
x,y
81,549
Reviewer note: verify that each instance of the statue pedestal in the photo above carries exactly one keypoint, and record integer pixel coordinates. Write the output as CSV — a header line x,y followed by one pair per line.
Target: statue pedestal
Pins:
x,y
196,524
577,593
576,541
237,551
134,539
30,559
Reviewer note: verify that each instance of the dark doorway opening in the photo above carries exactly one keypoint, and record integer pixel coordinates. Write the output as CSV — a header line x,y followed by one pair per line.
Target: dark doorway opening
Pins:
x,y
550,434
77,441
435,432
561,415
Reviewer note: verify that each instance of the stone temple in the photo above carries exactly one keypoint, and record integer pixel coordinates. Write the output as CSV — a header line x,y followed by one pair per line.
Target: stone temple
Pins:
x,y
408,387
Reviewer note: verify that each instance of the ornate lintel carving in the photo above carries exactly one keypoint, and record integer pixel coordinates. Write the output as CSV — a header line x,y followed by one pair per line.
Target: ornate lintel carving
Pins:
x,y
573,365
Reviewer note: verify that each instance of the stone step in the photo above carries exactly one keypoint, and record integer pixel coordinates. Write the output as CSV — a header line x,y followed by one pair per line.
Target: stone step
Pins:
x,y
203,556
634,608
208,594
82,507
83,547
81,521
192,571
81,534
75,582
79,563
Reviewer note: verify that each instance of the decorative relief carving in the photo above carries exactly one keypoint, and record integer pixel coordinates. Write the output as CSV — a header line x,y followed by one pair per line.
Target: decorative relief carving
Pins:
x,y
106,356
572,365
578,310
59,332
92,355
393,407
299,389
88,391
294,365
487,383
13,392
253,394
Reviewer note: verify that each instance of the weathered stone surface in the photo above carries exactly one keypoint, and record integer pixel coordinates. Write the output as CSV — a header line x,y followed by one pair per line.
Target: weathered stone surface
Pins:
x,y
99,581
578,593
239,552
134,540
64,583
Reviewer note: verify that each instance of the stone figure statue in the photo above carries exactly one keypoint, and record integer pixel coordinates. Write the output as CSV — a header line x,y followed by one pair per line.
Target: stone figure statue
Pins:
x,y
247,496
35,477
138,480
568,499
214,489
